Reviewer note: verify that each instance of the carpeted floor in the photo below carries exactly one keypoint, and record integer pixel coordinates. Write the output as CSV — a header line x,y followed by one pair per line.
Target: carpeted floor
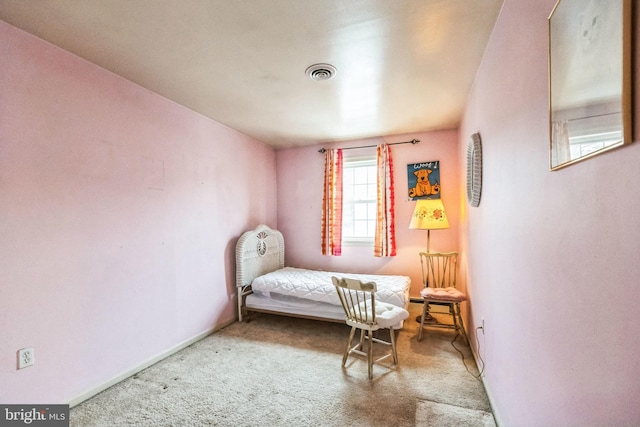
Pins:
x,y
443,415
280,371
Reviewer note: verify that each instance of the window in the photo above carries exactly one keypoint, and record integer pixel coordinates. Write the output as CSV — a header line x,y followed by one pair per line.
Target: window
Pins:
x,y
359,188
586,144
593,133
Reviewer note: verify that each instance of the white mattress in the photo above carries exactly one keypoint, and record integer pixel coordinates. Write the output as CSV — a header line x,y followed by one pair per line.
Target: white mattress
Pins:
x,y
316,285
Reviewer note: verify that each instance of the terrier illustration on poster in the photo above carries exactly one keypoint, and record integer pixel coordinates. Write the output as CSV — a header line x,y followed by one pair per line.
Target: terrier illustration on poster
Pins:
x,y
424,180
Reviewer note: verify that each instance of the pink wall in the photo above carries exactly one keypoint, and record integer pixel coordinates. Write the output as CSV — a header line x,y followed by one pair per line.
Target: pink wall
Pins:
x,y
300,172
551,257
118,220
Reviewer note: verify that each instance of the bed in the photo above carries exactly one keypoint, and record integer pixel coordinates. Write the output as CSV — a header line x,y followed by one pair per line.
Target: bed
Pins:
x,y
265,285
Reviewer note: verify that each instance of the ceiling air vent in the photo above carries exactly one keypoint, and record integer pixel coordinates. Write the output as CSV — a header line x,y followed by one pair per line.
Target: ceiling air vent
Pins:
x,y
319,72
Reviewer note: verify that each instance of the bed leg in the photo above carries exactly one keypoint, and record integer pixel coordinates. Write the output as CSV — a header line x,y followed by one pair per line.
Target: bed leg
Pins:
x,y
240,294
242,312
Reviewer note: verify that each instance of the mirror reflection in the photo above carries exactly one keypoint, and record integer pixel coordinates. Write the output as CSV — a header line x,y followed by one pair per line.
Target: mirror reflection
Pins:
x,y
589,107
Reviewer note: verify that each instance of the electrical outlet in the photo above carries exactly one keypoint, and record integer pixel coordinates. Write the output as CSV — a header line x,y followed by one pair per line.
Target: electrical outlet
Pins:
x,y
26,357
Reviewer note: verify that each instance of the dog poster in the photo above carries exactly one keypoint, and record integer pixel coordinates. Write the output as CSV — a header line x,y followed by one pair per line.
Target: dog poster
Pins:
x,y
424,180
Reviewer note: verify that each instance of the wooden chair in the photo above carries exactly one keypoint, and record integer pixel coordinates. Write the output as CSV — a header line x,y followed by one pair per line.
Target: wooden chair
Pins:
x,y
363,312
439,271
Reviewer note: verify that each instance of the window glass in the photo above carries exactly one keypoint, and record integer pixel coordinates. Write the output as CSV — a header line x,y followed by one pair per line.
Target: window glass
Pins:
x,y
359,200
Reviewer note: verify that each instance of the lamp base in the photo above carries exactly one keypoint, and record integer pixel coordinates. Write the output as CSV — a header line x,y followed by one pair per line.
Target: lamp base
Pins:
x,y
427,319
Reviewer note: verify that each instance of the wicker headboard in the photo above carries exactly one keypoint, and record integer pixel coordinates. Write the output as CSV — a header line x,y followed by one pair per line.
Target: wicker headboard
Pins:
x,y
258,252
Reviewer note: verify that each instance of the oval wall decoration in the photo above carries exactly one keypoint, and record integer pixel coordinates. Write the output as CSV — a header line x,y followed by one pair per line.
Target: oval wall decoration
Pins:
x,y
474,170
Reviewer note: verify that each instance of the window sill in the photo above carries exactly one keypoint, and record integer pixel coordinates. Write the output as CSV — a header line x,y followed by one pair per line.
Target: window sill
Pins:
x,y
357,242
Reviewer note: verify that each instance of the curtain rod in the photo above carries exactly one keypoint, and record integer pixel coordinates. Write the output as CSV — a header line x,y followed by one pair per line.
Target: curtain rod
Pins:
x,y
413,141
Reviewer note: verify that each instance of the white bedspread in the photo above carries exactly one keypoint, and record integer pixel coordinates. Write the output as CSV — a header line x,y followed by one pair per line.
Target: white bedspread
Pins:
x,y
317,285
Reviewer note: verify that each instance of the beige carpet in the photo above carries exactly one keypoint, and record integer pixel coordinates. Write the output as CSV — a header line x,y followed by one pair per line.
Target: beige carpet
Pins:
x,y
280,371
443,415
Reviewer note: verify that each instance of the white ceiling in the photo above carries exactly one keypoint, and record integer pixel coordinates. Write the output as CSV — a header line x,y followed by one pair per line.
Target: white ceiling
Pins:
x,y
403,65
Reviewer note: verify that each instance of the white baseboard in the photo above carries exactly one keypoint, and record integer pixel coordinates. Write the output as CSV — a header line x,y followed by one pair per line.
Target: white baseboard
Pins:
x,y
102,387
487,390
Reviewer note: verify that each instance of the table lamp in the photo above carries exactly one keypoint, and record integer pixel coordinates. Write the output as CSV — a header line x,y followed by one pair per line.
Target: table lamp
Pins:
x,y
429,215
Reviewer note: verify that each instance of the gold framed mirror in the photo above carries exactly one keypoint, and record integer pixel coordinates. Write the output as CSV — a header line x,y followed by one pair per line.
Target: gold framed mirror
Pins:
x,y
589,79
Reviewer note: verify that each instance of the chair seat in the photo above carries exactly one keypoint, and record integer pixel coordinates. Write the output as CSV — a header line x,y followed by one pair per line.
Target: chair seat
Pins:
x,y
449,294
387,315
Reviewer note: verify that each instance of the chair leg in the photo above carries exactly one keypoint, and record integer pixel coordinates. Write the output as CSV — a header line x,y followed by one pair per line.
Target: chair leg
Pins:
x,y
452,312
460,324
346,352
392,333
425,310
370,355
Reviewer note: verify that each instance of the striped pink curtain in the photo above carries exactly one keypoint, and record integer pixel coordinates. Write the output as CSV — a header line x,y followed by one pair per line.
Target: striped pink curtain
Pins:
x,y
385,239
332,203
